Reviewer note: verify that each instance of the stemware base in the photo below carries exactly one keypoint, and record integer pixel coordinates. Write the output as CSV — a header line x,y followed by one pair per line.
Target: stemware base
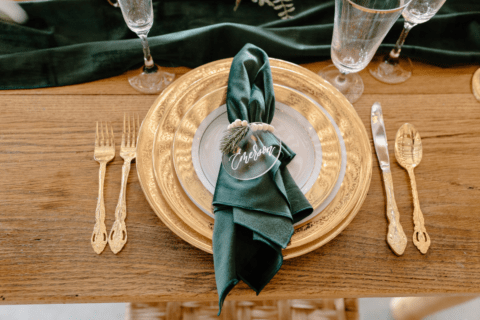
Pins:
x,y
151,80
350,85
391,71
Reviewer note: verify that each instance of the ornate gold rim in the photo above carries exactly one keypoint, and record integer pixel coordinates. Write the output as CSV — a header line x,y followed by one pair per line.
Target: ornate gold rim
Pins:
x,y
356,182
380,11
209,100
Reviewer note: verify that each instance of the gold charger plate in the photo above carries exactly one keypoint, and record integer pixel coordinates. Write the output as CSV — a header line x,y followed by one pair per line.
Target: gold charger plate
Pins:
x,y
315,232
194,213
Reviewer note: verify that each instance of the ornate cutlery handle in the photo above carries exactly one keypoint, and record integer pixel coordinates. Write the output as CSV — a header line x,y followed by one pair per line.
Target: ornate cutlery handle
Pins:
x,y
118,234
396,238
421,239
99,235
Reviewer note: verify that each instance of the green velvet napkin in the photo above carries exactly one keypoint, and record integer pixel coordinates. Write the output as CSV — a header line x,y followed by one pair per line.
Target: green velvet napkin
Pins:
x,y
74,41
253,218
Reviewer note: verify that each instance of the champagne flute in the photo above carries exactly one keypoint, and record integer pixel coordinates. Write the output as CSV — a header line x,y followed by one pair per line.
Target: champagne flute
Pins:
x,y
391,68
359,28
138,14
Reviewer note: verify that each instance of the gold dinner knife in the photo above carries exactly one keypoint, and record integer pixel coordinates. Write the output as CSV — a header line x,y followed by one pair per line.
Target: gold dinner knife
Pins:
x,y
396,238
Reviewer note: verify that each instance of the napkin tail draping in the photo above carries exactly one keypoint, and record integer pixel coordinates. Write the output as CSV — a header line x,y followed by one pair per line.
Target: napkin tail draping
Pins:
x,y
253,218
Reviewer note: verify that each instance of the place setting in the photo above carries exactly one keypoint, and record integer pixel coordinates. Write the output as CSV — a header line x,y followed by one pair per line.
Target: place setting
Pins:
x,y
257,160
239,159
311,126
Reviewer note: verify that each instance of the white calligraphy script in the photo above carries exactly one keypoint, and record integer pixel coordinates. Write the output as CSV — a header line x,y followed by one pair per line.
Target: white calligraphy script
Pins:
x,y
237,158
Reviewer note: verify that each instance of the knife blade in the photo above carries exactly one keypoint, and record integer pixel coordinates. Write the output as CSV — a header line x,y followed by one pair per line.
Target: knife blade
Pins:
x,y
396,238
380,136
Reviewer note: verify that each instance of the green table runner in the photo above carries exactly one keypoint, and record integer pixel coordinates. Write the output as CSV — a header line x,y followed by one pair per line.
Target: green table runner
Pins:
x,y
74,41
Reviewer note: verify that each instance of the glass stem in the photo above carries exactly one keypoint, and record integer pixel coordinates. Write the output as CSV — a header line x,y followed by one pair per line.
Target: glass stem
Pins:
x,y
341,78
395,53
147,57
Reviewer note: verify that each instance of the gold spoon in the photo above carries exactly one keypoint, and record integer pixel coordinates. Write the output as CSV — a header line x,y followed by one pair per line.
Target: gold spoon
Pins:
x,y
408,151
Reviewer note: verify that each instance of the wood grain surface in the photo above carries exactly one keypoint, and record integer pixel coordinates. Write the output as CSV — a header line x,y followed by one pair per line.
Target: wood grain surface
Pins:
x,y
321,309
48,192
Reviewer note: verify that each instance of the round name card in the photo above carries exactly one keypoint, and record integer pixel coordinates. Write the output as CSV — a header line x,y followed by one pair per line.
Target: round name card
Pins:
x,y
255,155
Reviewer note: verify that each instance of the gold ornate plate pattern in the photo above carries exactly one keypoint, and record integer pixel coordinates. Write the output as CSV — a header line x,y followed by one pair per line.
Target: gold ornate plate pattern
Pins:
x,y
313,233
182,156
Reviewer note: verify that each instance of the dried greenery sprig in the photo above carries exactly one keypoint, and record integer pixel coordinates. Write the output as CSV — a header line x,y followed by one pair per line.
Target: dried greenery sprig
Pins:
x,y
232,138
276,4
287,8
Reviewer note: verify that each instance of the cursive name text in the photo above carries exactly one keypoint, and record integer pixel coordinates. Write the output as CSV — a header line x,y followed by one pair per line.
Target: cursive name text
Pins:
x,y
239,157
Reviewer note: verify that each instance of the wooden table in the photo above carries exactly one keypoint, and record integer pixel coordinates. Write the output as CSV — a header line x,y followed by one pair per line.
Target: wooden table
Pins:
x,y
48,192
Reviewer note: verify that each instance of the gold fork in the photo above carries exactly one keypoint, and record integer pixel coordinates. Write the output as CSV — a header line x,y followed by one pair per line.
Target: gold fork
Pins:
x,y
128,151
104,153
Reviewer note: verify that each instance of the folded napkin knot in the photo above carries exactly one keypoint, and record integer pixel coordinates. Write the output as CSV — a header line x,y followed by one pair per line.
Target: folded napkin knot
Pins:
x,y
253,218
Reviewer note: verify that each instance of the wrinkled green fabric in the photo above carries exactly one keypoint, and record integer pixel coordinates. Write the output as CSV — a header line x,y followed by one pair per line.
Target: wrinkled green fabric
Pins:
x,y
253,218
74,41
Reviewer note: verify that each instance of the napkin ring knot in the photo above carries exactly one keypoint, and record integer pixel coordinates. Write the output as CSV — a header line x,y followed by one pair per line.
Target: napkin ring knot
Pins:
x,y
257,126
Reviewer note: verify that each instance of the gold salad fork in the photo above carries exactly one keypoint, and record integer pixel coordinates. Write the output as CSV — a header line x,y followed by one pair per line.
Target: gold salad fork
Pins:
x,y
128,151
104,153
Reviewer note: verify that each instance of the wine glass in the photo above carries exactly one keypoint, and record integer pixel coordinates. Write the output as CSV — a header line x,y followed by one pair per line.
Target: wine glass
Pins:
x,y
391,68
359,28
138,14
